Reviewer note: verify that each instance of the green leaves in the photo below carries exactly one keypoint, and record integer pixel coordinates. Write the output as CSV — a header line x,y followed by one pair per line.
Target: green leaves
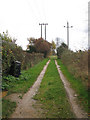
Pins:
x,y
24,81
8,81
61,49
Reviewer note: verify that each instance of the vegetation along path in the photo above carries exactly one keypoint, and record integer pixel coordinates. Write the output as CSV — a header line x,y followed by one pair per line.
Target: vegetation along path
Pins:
x,y
25,108
51,96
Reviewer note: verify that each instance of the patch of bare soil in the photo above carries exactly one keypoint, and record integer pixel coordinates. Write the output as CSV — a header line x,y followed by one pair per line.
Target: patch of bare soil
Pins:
x,y
15,97
25,105
72,96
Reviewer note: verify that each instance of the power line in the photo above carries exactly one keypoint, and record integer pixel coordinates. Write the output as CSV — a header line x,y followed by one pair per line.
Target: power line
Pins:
x,y
68,32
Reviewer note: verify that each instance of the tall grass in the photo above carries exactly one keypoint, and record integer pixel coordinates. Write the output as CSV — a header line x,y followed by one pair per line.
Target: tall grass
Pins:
x,y
77,64
74,65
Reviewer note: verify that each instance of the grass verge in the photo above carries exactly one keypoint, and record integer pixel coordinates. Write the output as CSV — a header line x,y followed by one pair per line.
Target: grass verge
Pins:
x,y
25,81
77,85
7,108
20,85
52,95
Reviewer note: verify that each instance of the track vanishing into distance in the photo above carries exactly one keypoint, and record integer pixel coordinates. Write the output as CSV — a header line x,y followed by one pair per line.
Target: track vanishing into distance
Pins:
x,y
25,107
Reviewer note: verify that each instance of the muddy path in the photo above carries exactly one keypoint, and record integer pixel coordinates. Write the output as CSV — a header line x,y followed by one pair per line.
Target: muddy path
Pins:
x,y
25,107
72,96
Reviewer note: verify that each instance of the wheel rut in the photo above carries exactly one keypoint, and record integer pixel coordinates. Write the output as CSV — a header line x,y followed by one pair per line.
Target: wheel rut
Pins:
x,y
77,110
25,107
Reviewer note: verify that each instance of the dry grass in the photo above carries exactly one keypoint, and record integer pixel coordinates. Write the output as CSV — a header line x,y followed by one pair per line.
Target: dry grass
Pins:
x,y
77,64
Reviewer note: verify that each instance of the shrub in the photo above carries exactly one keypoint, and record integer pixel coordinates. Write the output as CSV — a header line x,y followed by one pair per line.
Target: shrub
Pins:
x,y
10,53
39,46
31,59
61,49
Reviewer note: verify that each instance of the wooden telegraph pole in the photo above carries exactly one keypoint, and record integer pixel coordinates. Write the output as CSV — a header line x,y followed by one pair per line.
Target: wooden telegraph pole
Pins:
x,y
68,33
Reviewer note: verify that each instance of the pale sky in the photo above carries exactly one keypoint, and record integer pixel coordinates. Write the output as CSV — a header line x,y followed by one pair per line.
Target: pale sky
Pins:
x,y
89,25
22,17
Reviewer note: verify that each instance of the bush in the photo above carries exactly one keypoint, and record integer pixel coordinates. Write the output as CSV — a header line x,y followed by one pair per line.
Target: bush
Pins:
x,y
31,49
61,49
31,59
42,46
7,80
39,46
10,52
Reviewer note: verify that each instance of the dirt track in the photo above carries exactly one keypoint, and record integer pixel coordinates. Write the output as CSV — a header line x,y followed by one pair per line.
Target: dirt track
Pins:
x,y
72,96
25,107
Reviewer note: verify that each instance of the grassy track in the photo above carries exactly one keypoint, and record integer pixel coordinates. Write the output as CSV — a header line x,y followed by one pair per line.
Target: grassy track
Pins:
x,y
21,85
76,85
52,95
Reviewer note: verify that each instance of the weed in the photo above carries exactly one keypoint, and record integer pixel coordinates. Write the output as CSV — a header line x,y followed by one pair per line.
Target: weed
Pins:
x,y
20,96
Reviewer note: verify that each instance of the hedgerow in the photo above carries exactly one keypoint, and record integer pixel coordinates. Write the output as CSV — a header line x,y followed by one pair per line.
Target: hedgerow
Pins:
x,y
12,52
